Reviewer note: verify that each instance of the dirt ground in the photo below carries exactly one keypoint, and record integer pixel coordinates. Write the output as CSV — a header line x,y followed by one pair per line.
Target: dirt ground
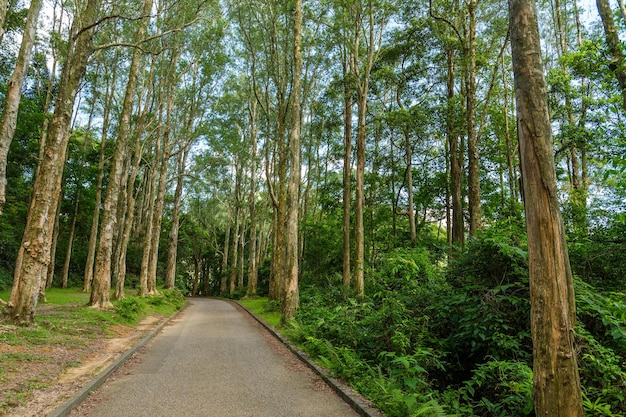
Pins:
x,y
58,379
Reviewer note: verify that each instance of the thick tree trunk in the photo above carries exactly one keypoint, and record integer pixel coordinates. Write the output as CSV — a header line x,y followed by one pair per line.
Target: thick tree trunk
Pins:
x,y
557,389
34,253
291,300
8,120
617,65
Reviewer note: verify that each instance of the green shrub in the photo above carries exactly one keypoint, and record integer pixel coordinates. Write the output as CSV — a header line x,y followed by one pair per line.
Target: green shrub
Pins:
x,y
499,388
130,309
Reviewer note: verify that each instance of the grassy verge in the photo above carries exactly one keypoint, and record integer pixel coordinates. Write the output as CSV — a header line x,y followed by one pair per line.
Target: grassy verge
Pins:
x,y
65,332
262,307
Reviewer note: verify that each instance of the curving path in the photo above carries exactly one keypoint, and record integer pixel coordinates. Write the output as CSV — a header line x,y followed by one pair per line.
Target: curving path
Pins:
x,y
213,360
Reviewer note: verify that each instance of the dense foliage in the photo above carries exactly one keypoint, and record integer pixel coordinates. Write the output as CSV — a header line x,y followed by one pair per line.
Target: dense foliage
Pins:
x,y
434,338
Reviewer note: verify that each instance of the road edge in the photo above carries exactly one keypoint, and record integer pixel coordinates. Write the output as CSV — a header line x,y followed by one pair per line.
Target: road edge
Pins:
x,y
354,400
68,405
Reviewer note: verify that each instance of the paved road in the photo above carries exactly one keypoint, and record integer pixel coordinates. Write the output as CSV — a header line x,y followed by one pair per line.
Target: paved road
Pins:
x,y
214,361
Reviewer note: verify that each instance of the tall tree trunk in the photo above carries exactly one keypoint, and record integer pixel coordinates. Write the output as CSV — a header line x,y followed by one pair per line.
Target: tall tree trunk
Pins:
x,y
253,269
291,299
362,78
456,159
160,200
8,119
95,221
102,274
34,253
513,195
149,223
4,10
557,389
242,246
172,243
347,170
409,185
617,65
224,272
473,175
53,249
130,193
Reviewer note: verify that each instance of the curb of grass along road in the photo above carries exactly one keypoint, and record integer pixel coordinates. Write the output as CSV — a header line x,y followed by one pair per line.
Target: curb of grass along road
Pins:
x,y
354,400
64,409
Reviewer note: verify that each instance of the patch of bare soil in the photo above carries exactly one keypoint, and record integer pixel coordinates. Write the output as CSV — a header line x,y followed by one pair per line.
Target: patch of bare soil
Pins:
x,y
56,373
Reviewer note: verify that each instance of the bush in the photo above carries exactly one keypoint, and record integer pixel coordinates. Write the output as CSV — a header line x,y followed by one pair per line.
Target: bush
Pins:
x,y
130,309
497,388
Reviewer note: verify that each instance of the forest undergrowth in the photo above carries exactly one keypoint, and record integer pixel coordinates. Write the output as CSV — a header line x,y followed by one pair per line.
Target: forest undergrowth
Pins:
x,y
433,338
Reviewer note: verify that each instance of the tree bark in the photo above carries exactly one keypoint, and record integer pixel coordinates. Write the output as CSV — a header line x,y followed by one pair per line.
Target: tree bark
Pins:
x,y
291,299
8,120
557,389
34,253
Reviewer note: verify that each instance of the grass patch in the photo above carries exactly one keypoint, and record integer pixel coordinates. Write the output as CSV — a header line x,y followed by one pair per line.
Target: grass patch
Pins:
x,y
264,308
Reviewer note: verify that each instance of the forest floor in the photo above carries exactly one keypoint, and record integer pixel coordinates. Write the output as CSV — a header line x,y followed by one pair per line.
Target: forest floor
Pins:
x,y
39,375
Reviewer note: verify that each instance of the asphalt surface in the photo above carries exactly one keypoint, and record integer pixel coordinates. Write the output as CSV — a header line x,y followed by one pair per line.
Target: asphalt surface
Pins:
x,y
214,361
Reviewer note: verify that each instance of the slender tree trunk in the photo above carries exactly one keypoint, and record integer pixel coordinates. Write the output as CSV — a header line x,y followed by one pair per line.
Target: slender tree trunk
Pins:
x,y
347,171
409,185
617,65
253,270
513,195
95,221
34,253
102,274
224,274
456,160
242,246
147,238
291,299
53,249
8,120
473,177
130,194
172,245
234,258
4,9
359,230
557,389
